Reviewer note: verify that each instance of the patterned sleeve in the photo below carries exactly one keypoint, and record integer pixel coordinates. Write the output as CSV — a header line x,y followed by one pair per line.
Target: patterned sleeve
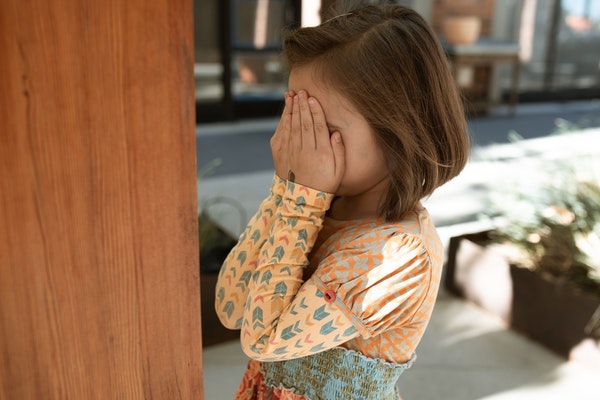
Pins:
x,y
380,284
358,291
281,320
235,273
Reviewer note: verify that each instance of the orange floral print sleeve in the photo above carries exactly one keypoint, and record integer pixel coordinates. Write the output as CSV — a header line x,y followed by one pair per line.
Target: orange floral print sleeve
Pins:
x,y
362,287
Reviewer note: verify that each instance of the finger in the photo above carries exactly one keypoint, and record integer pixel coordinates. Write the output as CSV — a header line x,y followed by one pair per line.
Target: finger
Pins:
x,y
296,133
287,121
282,130
285,105
287,110
339,154
289,101
308,131
319,123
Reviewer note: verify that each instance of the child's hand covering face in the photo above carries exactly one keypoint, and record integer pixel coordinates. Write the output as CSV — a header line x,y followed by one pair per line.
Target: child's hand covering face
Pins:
x,y
316,159
303,149
349,163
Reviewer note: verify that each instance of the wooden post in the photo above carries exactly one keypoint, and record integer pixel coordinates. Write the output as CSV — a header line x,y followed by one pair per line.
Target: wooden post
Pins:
x,y
99,275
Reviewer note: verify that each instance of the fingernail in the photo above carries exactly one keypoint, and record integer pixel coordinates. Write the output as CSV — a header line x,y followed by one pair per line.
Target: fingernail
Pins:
x,y
311,101
337,137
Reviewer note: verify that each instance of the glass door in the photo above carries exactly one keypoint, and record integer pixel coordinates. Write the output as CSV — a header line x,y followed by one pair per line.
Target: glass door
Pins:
x,y
239,70
208,60
257,28
258,76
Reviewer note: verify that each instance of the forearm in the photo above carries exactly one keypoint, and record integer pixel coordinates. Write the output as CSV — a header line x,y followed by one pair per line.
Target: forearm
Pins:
x,y
278,277
238,267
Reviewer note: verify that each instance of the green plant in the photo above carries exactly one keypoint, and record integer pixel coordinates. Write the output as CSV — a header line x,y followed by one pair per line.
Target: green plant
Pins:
x,y
552,219
214,242
557,230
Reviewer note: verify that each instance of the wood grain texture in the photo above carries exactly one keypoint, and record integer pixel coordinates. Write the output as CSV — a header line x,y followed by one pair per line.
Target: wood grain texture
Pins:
x,y
99,277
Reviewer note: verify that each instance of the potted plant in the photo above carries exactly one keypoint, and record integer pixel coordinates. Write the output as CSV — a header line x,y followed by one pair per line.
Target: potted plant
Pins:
x,y
214,244
543,254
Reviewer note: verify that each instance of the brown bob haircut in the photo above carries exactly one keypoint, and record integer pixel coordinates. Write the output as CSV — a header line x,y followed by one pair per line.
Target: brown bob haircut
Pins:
x,y
388,63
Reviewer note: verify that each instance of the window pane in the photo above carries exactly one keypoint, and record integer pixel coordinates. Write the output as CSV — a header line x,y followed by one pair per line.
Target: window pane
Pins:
x,y
578,45
574,62
208,69
258,23
258,75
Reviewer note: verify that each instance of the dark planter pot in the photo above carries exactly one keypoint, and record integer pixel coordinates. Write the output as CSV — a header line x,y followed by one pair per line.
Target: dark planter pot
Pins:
x,y
478,273
215,244
212,254
213,332
552,314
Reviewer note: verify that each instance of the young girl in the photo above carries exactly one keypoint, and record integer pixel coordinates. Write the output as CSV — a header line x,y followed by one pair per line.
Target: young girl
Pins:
x,y
333,281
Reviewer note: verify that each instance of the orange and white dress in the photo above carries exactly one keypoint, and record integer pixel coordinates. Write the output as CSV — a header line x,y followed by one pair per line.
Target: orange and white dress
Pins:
x,y
308,291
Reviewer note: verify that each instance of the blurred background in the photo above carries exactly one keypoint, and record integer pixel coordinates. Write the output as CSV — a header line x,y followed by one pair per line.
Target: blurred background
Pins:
x,y
239,74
